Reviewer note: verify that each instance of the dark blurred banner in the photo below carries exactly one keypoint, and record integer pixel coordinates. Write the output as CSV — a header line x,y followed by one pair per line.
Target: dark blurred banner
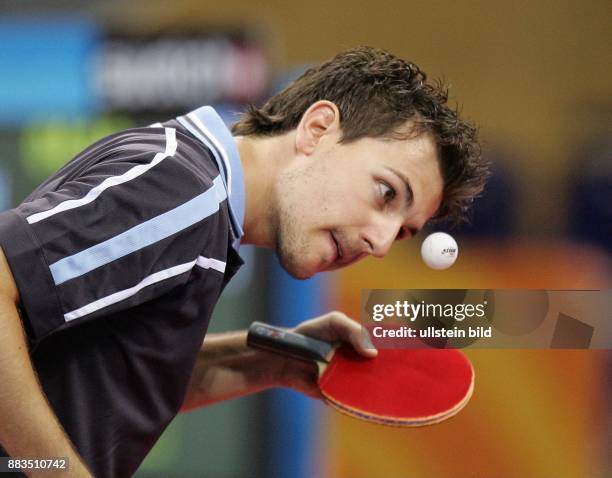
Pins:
x,y
476,318
172,72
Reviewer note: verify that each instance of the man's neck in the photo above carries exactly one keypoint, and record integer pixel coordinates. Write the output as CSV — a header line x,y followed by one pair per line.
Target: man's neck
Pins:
x,y
262,159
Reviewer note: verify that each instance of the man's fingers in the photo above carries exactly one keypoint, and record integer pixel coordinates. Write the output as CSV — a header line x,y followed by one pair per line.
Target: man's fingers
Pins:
x,y
336,326
350,331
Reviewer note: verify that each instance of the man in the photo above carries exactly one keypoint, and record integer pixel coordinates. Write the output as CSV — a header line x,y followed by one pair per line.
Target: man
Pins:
x,y
115,263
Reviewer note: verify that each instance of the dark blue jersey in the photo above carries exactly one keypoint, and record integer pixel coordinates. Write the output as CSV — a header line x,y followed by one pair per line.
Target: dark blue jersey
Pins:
x,y
119,259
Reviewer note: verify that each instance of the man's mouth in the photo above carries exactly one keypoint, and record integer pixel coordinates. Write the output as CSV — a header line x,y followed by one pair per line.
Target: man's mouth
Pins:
x,y
339,252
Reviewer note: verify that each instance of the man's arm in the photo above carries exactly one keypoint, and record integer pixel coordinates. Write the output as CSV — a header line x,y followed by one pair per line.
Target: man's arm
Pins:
x,y
227,368
28,426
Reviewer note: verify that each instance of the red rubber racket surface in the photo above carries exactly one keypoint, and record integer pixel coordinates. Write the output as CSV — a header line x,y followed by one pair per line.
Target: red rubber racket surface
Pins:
x,y
399,387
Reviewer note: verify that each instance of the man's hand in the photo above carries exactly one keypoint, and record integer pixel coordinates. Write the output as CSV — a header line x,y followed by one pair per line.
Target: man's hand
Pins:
x,y
227,368
331,327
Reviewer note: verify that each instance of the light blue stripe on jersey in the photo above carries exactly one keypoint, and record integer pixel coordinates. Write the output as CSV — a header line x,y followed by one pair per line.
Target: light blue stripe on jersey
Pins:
x,y
142,235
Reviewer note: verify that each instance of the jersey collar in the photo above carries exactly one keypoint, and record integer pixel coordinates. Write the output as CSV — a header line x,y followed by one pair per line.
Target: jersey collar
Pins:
x,y
206,125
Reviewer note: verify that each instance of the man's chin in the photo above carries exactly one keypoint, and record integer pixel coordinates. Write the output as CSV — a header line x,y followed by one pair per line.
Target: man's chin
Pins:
x,y
298,273
302,276
297,270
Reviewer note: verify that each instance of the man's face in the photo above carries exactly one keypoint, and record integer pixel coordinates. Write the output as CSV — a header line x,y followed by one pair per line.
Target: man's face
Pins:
x,y
347,201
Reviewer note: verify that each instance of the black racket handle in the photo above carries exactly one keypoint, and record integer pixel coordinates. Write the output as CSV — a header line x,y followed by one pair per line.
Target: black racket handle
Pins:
x,y
291,344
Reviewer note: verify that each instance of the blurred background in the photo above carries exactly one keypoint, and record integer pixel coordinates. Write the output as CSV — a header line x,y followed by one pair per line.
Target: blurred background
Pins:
x,y
535,76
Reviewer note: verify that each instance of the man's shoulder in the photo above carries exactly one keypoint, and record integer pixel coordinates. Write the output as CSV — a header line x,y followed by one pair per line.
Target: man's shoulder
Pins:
x,y
168,150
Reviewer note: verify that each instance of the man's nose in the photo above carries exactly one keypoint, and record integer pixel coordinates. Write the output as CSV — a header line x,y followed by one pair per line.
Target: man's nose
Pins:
x,y
380,236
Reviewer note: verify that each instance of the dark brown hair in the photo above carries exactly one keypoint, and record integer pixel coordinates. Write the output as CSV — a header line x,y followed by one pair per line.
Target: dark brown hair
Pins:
x,y
376,94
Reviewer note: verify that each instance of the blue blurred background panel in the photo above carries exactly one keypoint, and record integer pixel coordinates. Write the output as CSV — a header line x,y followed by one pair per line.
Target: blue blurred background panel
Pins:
x,y
590,195
292,416
45,68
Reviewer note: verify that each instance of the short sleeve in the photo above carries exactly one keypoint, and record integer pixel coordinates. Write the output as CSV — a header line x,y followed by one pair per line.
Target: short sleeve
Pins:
x,y
125,229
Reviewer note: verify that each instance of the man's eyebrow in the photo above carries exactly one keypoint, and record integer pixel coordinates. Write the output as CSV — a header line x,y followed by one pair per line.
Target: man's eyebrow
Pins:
x,y
409,193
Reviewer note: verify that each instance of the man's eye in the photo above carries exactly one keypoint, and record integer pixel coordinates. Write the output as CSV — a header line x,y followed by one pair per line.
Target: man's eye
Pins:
x,y
386,192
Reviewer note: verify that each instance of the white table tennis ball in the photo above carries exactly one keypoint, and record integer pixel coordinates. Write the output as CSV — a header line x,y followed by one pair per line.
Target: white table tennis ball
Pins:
x,y
439,250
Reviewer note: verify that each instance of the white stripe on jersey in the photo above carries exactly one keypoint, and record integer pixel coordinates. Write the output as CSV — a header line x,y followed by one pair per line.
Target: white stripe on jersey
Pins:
x,y
208,263
110,181
205,262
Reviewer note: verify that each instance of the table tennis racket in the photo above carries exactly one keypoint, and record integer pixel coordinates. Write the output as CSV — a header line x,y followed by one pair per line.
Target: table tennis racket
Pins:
x,y
398,387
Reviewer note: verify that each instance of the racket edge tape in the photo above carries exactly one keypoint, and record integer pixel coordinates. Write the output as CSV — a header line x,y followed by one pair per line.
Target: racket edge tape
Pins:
x,y
407,422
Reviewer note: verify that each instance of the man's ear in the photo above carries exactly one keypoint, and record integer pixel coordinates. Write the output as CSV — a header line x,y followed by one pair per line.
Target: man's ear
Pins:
x,y
320,119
